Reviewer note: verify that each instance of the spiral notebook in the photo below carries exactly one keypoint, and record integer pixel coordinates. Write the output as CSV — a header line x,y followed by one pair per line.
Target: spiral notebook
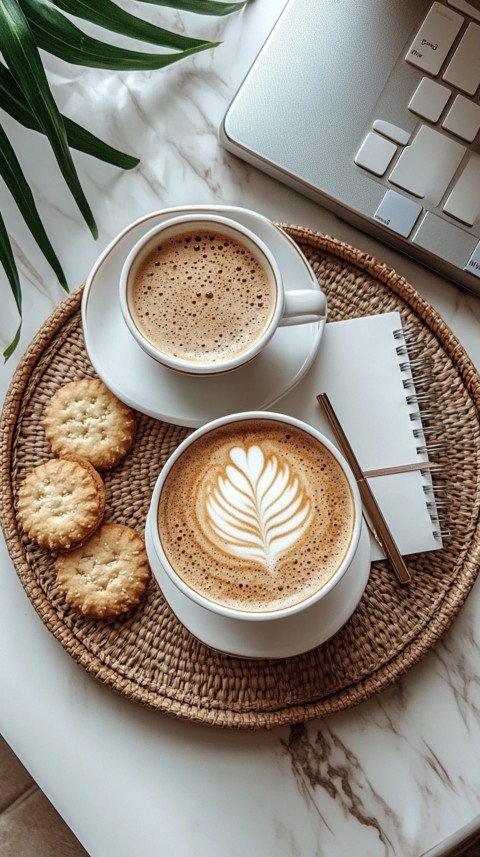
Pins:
x,y
365,367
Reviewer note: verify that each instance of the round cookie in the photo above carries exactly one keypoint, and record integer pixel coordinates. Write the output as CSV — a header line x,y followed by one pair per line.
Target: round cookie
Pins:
x,y
107,575
84,418
61,503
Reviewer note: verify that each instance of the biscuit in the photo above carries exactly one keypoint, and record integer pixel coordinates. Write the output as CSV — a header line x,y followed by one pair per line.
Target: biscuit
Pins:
x,y
105,576
61,503
87,466
84,418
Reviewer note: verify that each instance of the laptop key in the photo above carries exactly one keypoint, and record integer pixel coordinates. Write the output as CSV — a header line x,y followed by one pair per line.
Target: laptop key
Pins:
x,y
473,264
463,202
427,166
466,8
463,119
393,132
445,240
463,70
375,154
434,39
398,213
429,99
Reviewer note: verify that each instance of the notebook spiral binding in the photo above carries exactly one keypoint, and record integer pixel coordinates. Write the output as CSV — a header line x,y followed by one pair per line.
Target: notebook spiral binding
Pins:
x,y
420,395
410,346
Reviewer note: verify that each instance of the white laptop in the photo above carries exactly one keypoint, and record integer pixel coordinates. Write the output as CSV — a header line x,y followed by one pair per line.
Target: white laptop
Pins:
x,y
372,108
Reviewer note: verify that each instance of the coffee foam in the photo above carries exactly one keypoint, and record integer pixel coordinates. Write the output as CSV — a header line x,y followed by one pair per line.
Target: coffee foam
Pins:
x,y
256,515
202,296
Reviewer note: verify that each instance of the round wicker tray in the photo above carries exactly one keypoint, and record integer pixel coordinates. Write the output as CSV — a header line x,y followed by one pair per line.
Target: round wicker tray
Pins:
x,y
147,655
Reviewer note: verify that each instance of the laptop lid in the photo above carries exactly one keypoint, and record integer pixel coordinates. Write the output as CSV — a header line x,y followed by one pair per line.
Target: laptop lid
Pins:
x,y
327,72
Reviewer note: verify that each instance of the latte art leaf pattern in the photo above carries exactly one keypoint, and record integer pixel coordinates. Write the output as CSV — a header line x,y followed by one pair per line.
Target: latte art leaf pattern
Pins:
x,y
258,506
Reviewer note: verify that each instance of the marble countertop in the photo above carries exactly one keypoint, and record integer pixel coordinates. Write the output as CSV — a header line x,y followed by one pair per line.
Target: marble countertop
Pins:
x,y
397,775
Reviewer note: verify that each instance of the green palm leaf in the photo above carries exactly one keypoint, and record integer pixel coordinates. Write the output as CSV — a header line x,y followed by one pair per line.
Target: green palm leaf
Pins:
x,y
201,7
12,174
20,53
107,14
57,35
8,262
13,102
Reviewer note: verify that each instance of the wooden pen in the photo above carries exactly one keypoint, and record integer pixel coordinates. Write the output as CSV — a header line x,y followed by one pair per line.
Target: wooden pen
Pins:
x,y
379,525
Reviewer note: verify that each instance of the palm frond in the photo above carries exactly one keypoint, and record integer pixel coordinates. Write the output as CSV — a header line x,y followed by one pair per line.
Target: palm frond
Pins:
x,y
200,7
8,261
14,103
110,16
13,176
20,53
57,35
29,25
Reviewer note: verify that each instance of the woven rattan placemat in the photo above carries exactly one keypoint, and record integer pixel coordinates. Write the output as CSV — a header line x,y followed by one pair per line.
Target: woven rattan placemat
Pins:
x,y
147,655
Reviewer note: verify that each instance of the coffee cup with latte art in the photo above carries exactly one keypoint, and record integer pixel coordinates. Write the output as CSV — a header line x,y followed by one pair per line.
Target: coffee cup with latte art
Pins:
x,y
202,294
255,520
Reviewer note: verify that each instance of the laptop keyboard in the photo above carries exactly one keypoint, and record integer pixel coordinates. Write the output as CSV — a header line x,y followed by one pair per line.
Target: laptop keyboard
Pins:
x,y
433,174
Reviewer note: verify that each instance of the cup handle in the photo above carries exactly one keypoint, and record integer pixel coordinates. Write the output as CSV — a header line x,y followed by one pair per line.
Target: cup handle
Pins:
x,y
303,306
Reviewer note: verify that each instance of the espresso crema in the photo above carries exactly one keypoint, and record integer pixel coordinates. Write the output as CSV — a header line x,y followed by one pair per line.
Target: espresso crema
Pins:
x,y
202,296
256,515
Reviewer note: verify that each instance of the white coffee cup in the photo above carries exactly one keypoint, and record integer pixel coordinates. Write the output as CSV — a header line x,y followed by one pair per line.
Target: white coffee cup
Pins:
x,y
296,306
266,632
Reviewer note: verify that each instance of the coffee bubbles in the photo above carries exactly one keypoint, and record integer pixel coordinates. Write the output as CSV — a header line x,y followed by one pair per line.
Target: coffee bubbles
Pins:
x,y
256,515
202,296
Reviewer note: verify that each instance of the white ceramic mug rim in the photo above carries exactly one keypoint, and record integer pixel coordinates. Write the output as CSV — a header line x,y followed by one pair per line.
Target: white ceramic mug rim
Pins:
x,y
177,363
214,606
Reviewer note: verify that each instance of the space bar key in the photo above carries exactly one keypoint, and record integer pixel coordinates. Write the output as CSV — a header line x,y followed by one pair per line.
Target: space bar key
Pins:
x,y
426,167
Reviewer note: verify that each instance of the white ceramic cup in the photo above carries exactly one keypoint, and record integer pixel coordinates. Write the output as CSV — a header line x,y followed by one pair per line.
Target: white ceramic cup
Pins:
x,y
297,306
270,633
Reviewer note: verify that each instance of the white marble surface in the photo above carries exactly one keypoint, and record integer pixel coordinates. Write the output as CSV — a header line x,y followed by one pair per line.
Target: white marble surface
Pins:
x,y
395,776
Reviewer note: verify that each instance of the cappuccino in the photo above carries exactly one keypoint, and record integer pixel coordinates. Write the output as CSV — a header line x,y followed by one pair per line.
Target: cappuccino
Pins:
x,y
202,296
256,515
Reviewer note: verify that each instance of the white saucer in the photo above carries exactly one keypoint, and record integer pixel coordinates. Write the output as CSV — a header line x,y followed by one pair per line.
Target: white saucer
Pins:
x,y
277,638
145,385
